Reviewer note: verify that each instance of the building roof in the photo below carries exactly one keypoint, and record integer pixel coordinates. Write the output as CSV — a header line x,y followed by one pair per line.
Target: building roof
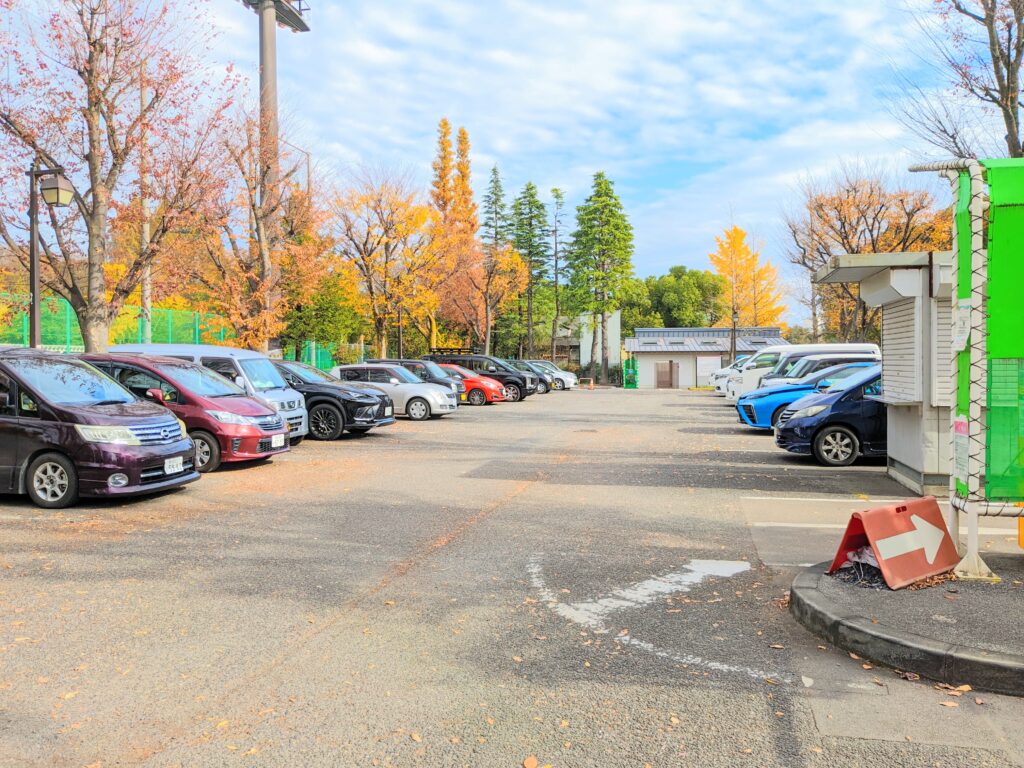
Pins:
x,y
710,340
855,267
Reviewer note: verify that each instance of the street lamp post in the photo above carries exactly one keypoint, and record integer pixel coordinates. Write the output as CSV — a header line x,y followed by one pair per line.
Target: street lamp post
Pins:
x,y
57,192
732,337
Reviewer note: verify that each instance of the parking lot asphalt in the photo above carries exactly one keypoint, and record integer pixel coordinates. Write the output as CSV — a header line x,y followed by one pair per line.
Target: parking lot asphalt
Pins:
x,y
590,578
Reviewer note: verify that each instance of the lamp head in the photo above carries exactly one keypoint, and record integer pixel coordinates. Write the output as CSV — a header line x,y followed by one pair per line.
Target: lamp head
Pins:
x,y
57,190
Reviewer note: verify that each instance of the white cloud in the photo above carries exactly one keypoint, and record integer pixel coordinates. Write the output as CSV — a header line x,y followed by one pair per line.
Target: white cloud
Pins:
x,y
702,113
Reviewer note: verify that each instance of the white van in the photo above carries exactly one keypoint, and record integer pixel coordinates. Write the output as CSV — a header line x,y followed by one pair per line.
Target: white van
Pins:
x,y
251,370
748,377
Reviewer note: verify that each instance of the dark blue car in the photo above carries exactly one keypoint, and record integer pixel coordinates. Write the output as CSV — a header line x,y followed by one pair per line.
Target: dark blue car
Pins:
x,y
839,425
761,408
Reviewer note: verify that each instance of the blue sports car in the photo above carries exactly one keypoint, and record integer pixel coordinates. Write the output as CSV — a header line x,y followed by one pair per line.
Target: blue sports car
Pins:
x,y
761,408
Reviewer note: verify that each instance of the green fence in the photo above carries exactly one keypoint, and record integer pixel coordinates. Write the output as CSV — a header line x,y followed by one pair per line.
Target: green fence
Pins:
x,y
326,356
58,325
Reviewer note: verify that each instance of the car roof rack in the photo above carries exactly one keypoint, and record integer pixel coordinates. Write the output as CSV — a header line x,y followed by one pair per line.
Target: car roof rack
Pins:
x,y
453,351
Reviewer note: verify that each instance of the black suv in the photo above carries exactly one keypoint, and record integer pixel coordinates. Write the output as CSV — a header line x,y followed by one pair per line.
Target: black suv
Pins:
x,y
429,372
518,384
336,406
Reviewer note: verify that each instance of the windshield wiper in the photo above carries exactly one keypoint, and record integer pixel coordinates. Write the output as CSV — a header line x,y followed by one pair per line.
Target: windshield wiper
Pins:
x,y
111,402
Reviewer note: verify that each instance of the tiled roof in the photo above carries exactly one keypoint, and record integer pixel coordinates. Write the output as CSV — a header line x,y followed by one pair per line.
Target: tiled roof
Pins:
x,y
711,344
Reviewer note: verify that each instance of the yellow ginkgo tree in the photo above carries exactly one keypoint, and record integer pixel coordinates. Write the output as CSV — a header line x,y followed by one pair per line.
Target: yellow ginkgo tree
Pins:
x,y
752,285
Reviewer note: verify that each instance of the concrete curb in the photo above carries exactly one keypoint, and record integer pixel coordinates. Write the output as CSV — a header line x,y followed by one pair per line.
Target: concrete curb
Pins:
x,y
928,657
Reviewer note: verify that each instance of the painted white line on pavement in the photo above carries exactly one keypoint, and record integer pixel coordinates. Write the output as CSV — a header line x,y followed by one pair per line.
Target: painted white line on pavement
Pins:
x,y
833,500
842,526
592,614
648,591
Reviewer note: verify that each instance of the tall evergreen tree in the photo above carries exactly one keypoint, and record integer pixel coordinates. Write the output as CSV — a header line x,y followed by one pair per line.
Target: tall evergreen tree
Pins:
x,y
557,207
503,273
601,258
530,238
495,224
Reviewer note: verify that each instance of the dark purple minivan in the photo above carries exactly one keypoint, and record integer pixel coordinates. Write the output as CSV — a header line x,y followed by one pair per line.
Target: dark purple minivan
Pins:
x,y
67,430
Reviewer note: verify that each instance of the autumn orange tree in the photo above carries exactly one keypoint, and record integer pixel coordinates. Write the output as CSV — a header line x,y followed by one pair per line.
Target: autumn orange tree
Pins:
x,y
856,211
86,82
261,238
752,286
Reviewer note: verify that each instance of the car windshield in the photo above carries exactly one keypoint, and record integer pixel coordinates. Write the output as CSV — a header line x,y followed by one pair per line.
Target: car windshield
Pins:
x,y
463,372
761,360
309,374
199,380
835,373
404,376
501,365
261,373
434,370
546,365
69,382
801,368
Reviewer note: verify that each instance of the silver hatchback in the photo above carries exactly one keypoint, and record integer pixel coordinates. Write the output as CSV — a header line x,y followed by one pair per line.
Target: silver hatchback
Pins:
x,y
413,397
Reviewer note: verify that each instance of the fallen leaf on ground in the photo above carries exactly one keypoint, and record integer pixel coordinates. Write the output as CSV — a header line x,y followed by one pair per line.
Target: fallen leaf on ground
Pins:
x,y
777,646
854,656
530,762
415,737
978,700
949,703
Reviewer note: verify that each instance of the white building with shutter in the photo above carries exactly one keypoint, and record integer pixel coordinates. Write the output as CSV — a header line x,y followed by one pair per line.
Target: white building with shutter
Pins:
x,y
914,290
678,358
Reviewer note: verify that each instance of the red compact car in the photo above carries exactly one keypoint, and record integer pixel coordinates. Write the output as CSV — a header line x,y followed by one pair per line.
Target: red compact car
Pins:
x,y
223,422
480,390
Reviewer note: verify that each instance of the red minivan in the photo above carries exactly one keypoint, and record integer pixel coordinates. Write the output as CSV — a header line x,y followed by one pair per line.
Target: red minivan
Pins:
x,y
223,422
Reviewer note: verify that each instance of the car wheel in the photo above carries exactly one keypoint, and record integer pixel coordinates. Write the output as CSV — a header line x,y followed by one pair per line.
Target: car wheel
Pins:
x,y
558,384
513,393
836,447
777,415
207,451
326,422
52,482
542,387
417,409
296,440
477,397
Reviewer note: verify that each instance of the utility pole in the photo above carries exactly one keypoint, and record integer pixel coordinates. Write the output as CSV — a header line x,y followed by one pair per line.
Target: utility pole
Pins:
x,y
147,275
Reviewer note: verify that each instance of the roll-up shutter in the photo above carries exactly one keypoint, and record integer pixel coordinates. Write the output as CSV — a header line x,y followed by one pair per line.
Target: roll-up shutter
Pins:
x,y
901,352
942,357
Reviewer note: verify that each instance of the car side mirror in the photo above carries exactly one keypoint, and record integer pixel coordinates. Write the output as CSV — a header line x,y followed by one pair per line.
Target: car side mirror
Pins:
x,y
240,381
492,369
394,380
823,384
155,394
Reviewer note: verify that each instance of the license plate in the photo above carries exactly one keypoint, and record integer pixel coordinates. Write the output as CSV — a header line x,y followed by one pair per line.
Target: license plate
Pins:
x,y
277,441
174,466
389,411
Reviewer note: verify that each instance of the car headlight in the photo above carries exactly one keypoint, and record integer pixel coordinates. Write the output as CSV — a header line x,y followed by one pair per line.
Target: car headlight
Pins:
x,y
112,435
226,417
811,410
756,397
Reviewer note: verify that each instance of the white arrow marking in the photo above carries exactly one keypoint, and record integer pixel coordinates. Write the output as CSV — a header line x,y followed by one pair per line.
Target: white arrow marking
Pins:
x,y
924,536
592,614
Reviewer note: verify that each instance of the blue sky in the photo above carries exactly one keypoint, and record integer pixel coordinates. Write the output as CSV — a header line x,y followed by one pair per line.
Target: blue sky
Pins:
x,y
703,114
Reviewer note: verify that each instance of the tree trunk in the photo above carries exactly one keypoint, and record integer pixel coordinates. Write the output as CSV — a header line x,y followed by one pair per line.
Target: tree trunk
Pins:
x,y
529,319
604,347
593,345
815,333
487,324
380,333
95,328
520,354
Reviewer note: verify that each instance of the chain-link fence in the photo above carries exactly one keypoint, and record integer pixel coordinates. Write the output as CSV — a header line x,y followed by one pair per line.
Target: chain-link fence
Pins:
x,y
59,330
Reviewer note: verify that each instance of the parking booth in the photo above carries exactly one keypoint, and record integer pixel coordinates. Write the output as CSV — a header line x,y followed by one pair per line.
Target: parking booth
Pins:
x,y
914,291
